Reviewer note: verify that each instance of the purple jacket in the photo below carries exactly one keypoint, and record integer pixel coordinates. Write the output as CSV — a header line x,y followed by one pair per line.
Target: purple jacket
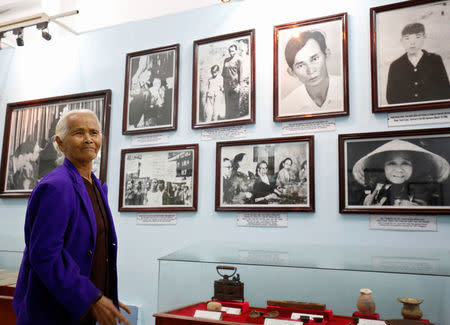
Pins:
x,y
53,286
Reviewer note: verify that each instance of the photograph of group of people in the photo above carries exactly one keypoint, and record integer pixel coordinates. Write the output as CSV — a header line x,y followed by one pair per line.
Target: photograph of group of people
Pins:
x,y
224,79
401,171
32,149
264,174
157,179
150,89
412,54
311,73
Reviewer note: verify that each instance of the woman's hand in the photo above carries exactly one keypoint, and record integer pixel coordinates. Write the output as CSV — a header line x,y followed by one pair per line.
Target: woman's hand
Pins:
x,y
371,197
106,313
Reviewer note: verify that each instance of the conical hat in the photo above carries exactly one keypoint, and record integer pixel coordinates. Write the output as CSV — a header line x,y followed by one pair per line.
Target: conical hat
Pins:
x,y
421,158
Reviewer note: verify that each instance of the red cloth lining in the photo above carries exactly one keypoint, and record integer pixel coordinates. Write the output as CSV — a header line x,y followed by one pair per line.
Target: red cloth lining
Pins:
x,y
285,313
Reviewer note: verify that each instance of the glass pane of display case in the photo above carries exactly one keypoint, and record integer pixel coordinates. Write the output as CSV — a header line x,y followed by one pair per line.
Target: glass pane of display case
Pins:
x,y
320,274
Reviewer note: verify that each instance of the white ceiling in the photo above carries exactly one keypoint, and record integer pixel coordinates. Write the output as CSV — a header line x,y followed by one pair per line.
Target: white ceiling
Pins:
x,y
93,14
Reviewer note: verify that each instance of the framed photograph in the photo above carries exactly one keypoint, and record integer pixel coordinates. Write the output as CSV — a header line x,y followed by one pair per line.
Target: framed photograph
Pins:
x,y
311,69
223,91
151,90
410,56
159,179
400,172
265,175
29,147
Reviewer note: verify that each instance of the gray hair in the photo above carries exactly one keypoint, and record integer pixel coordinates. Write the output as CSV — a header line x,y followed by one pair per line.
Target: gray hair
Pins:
x,y
61,129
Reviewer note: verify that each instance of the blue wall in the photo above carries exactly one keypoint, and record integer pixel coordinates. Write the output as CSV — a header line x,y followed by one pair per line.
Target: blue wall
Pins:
x,y
96,60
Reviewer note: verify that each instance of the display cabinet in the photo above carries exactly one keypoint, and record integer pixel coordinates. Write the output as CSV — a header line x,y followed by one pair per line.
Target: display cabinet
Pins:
x,y
9,268
321,274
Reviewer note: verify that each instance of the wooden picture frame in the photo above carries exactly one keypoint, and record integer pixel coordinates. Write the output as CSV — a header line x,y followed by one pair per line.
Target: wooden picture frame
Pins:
x,y
256,175
223,92
159,179
151,90
311,69
410,56
29,151
398,172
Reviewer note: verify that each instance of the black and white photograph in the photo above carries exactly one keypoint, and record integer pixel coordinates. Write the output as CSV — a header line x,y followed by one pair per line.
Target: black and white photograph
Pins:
x,y
265,175
311,69
159,178
395,172
223,83
151,90
410,56
29,147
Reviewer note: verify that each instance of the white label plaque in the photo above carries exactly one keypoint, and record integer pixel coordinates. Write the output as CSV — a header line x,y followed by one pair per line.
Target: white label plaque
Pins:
x,y
143,140
263,219
326,124
419,117
296,316
231,311
274,321
238,131
157,219
217,315
411,223
363,321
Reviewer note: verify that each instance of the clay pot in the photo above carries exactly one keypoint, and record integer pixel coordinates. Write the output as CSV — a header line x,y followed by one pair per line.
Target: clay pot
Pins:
x,y
411,308
365,303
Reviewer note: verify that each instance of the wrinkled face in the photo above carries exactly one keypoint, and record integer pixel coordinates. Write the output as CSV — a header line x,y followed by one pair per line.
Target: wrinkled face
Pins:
x,y
83,139
226,168
262,170
398,170
310,64
413,43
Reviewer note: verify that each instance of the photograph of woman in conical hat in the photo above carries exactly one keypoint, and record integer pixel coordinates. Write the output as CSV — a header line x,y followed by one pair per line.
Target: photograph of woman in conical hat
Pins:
x,y
397,172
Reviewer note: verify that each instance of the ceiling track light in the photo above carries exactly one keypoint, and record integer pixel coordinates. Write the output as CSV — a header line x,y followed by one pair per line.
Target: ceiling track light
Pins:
x,y
39,20
19,33
44,28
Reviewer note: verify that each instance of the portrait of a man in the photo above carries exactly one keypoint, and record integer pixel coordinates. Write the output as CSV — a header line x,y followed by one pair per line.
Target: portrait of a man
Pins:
x,y
310,69
418,75
410,56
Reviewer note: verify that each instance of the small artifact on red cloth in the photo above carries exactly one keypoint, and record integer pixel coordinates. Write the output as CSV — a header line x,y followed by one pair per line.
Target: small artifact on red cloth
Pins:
x,y
214,306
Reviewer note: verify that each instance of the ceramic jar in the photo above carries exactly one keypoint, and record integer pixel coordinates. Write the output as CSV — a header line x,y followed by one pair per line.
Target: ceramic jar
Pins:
x,y
411,308
365,303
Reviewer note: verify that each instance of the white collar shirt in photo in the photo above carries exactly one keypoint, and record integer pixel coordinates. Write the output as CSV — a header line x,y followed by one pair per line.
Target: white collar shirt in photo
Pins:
x,y
299,101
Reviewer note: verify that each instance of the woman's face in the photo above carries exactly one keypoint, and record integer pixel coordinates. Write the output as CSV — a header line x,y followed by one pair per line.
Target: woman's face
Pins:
x,y
398,170
287,164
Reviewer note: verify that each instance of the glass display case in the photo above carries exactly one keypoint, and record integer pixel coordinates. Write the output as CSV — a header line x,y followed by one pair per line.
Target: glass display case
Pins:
x,y
320,274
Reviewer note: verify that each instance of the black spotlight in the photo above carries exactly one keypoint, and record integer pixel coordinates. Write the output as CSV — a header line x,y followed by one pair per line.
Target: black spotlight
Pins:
x,y
46,35
44,27
19,33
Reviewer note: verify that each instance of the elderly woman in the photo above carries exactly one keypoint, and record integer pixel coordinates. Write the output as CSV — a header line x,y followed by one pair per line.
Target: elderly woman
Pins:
x,y
68,273
400,173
